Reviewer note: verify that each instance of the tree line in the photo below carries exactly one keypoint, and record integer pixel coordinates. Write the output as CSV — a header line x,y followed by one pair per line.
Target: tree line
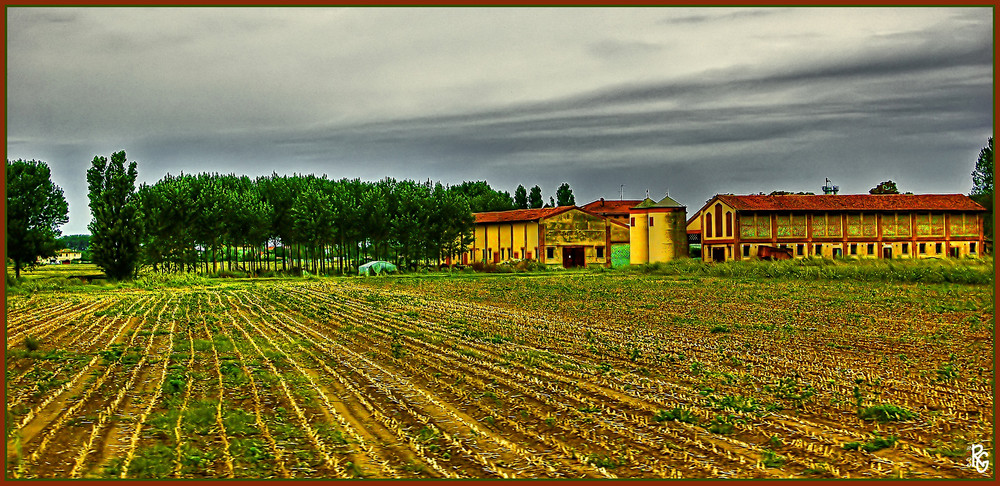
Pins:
x,y
214,222
211,222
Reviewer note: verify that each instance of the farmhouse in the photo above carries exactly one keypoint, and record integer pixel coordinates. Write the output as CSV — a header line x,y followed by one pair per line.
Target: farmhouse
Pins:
x,y
565,235
830,225
657,231
65,255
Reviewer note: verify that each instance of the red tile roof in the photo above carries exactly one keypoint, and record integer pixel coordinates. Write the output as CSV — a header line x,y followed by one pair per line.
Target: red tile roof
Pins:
x,y
519,215
612,207
853,202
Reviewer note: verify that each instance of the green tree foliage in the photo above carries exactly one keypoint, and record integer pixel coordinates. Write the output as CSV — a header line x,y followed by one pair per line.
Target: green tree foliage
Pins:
x,y
982,185
982,176
535,200
564,195
887,187
35,210
115,230
75,242
520,197
483,198
307,222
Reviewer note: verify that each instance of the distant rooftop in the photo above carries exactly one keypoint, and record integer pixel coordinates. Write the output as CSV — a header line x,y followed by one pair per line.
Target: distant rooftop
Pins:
x,y
852,202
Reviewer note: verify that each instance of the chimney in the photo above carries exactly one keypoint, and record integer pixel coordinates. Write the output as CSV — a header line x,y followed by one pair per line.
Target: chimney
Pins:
x,y
602,202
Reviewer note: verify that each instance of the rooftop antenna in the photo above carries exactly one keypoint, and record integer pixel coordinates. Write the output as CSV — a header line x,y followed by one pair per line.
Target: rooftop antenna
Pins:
x,y
647,193
829,188
622,195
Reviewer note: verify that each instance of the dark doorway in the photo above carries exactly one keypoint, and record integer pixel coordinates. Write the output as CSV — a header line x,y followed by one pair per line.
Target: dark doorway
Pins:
x,y
954,251
573,256
718,254
838,253
887,252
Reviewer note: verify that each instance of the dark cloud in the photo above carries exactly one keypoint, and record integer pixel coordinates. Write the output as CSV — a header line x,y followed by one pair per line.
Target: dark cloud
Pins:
x,y
714,15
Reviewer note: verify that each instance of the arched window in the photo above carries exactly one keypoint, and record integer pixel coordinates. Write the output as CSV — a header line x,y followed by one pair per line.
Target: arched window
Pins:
x,y
708,225
718,220
729,223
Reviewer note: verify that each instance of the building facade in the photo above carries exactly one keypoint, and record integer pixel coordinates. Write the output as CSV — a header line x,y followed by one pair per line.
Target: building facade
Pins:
x,y
566,235
657,231
616,211
63,256
861,226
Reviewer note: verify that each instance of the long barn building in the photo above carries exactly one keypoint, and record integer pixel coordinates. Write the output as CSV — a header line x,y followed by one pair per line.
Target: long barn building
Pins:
x,y
565,235
863,226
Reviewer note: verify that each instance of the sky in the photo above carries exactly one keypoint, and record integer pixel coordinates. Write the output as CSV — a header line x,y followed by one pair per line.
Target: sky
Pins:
x,y
689,102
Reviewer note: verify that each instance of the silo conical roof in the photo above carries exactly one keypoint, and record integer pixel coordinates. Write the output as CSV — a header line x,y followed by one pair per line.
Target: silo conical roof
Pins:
x,y
646,203
668,202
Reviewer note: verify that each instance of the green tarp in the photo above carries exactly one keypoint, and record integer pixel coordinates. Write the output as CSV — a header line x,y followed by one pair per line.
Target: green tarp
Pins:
x,y
375,268
620,255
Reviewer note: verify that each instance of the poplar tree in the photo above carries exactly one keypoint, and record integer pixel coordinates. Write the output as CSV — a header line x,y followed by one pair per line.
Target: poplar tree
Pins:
x,y
114,230
520,197
535,200
564,195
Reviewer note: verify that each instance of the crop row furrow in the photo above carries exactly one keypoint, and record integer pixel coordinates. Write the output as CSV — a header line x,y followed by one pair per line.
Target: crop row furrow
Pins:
x,y
329,460
385,382
108,412
420,370
561,392
393,424
79,376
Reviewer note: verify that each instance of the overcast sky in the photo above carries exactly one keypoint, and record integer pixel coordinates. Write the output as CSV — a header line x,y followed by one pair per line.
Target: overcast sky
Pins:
x,y
697,101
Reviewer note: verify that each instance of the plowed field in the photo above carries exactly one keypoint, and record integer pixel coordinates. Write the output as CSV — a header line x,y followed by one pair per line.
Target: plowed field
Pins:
x,y
555,376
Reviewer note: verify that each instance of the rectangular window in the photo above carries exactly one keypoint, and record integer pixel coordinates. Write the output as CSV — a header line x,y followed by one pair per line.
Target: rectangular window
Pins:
x,y
937,247
819,248
550,252
800,249
871,248
972,247
906,248
650,221
600,252
922,248
746,250
632,222
854,248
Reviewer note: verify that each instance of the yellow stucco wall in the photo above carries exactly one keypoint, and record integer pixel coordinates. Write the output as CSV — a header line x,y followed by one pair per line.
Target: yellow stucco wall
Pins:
x,y
665,240
499,242
708,217
695,224
504,241
577,228
638,235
